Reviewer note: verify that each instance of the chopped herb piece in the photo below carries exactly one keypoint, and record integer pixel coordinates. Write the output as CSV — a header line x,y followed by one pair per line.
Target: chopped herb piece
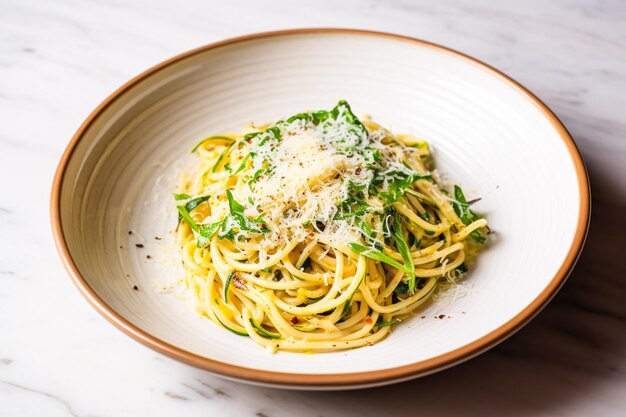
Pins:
x,y
179,197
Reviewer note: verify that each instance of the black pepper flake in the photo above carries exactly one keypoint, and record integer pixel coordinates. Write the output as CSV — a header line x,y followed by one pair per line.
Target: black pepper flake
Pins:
x,y
157,238
121,247
148,256
423,317
136,288
139,245
130,233
442,316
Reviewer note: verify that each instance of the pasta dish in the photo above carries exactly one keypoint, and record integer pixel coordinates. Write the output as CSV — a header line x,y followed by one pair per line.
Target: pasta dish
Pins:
x,y
319,232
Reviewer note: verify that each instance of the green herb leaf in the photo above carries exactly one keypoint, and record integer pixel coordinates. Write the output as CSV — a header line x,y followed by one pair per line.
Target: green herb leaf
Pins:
x,y
376,255
477,236
206,232
237,219
233,205
179,197
242,166
397,183
192,204
467,216
182,211
404,250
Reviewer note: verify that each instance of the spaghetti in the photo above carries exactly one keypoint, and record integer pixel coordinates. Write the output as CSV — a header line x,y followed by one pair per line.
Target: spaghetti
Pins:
x,y
319,232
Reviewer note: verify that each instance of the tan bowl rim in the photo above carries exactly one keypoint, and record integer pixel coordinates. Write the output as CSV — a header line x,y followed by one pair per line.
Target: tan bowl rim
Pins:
x,y
336,380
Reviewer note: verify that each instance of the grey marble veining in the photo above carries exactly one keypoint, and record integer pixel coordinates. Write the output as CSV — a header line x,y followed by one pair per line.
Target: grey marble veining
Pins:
x,y
59,59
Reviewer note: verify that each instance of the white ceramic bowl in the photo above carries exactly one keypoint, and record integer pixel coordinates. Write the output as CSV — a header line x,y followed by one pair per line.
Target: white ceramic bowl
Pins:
x,y
490,135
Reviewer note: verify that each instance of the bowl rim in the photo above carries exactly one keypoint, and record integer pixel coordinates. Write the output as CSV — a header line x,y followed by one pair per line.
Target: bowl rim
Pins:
x,y
328,380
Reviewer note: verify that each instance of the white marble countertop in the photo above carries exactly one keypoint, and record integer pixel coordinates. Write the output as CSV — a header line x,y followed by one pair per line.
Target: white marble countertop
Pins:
x,y
59,59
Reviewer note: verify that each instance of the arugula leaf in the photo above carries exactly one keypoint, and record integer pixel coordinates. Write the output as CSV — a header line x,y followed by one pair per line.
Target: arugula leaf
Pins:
x,y
237,219
264,332
206,232
376,255
233,205
192,204
397,183
210,138
342,111
404,250
182,211
467,216
314,117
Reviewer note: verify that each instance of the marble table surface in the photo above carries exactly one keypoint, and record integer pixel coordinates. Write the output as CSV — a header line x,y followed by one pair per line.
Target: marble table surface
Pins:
x,y
60,58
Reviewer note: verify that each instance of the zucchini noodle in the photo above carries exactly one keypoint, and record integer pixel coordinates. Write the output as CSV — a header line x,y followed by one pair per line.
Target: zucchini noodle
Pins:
x,y
319,232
